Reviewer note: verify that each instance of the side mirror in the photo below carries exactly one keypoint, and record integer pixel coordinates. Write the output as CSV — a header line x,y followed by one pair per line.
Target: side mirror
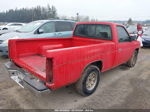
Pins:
x,y
40,31
133,38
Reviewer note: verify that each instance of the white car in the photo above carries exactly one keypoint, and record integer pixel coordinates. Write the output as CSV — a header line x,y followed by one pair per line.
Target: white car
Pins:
x,y
10,27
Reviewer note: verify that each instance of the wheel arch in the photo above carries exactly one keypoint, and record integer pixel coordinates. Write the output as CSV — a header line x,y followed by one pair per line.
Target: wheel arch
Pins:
x,y
5,28
97,63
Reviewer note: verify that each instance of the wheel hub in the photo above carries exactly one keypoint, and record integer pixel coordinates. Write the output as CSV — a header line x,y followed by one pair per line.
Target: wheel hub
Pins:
x,y
91,81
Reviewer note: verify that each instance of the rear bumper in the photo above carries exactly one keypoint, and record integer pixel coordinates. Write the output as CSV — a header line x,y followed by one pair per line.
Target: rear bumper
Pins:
x,y
24,79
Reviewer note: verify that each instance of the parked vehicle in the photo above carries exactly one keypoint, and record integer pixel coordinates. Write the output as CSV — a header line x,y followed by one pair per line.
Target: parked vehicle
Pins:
x,y
49,64
146,38
38,29
10,27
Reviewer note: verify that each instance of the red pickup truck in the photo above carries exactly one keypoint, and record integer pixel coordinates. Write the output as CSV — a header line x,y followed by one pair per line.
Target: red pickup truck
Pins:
x,y
49,64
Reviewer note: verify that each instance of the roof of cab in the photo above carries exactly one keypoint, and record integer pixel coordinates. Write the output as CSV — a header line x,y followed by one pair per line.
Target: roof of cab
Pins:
x,y
108,23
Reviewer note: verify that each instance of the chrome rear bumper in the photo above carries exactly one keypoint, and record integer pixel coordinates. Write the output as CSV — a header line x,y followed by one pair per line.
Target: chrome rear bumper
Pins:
x,y
25,79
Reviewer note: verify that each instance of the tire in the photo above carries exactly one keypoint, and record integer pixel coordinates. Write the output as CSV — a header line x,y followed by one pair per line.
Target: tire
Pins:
x,y
89,81
131,63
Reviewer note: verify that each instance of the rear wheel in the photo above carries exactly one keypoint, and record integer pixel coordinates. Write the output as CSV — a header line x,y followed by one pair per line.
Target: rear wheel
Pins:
x,y
133,60
89,81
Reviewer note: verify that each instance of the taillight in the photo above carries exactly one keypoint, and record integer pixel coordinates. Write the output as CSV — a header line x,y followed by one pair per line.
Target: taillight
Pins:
x,y
49,70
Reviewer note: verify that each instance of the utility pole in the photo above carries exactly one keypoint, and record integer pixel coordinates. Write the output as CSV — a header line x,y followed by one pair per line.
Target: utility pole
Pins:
x,y
77,16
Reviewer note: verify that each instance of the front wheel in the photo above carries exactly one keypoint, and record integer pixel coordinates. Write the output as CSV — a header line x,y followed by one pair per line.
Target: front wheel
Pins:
x,y
89,81
133,59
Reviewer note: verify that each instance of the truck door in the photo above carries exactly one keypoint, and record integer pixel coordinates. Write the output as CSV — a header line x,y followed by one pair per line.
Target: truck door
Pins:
x,y
125,48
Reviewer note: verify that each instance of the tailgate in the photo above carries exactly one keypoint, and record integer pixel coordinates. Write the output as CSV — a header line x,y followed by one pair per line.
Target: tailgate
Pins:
x,y
24,79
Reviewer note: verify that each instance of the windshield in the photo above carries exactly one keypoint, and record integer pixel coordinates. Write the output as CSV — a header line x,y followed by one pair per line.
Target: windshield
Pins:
x,y
30,27
98,31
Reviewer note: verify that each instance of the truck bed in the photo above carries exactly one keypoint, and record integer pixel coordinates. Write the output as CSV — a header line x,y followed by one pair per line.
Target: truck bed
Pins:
x,y
32,54
36,62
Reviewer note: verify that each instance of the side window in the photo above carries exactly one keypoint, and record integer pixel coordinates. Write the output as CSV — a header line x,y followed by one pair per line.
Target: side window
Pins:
x,y
123,36
48,27
15,25
63,26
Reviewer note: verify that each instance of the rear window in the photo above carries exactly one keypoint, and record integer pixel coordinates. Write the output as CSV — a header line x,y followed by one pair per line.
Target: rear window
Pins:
x,y
97,31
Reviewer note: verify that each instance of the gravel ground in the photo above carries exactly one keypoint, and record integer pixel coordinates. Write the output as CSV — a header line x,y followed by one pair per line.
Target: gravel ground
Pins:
x,y
120,88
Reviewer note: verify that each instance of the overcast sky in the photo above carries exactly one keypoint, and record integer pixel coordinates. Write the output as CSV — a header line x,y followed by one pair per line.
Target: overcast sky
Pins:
x,y
100,9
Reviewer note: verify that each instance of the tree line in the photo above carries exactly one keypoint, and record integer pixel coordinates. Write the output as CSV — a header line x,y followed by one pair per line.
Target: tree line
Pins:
x,y
28,14
48,12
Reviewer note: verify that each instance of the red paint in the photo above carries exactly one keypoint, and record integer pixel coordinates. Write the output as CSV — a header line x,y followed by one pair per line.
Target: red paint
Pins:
x,y
60,62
